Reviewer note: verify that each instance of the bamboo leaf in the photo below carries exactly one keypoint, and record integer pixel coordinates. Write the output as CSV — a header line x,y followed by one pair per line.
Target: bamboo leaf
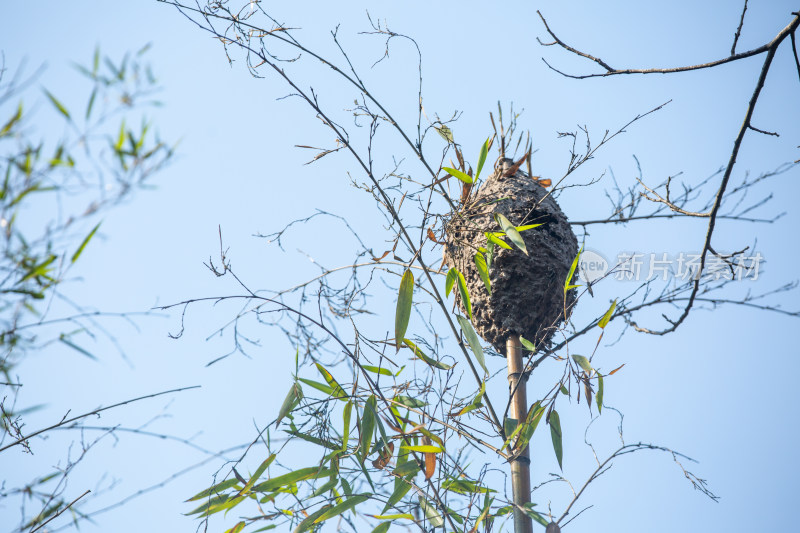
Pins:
x,y
607,317
377,370
531,423
58,105
317,385
465,486
13,120
309,521
337,390
422,448
383,527
482,157
450,280
462,290
528,345
458,174
555,435
476,402
367,427
494,238
258,473
401,488
275,483
393,516
583,362
292,400
214,489
348,408
403,312
474,343
428,360
431,513
511,232
568,281
529,226
409,402
409,467
346,505
483,271
599,396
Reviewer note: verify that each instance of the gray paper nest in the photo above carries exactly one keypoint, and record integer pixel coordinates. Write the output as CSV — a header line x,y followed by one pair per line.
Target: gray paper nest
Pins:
x,y
527,290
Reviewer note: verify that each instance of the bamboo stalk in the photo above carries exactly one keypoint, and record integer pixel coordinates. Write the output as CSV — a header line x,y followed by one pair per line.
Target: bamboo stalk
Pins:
x,y
520,466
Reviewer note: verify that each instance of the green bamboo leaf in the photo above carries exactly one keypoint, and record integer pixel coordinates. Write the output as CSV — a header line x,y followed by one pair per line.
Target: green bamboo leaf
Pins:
x,y
290,402
405,516
450,280
58,105
315,440
599,396
120,138
208,506
510,426
409,402
403,312
458,174
476,402
482,157
90,105
568,281
317,385
465,486
489,255
336,389
258,473
377,370
583,362
429,360
528,345
367,427
529,426
607,317
527,227
422,448
555,435
401,488
346,505
536,516
511,232
563,390
309,521
348,408
483,271
409,467
13,120
494,238
474,343
382,527
275,483
462,290
214,489
431,513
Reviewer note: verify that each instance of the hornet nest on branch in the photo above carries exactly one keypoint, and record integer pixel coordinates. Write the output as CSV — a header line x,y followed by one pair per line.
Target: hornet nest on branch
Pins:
x,y
527,290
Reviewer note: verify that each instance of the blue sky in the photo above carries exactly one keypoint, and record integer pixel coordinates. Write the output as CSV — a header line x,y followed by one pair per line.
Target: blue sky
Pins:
x,y
720,389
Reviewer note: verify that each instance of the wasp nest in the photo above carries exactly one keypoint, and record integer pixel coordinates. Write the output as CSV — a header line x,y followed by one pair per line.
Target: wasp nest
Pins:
x,y
527,295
